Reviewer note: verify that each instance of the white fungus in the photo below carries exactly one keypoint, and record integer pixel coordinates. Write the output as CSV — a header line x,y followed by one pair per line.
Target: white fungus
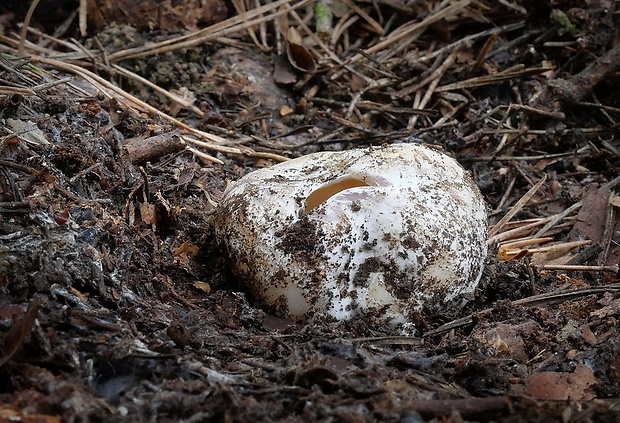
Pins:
x,y
379,233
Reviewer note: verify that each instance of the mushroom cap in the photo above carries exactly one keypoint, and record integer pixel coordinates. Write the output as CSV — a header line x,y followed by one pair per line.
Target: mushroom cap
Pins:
x,y
379,232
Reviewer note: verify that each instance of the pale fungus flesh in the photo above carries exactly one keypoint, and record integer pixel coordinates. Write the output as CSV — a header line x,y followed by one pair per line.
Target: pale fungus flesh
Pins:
x,y
376,233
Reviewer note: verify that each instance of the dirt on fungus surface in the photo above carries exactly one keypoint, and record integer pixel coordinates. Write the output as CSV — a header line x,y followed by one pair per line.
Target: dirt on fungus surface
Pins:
x,y
117,304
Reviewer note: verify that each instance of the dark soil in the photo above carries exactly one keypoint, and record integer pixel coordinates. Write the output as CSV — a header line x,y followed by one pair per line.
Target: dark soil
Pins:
x,y
117,304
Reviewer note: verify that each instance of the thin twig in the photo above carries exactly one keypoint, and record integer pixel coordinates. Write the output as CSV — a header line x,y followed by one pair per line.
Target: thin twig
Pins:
x,y
576,206
518,206
404,31
229,26
22,38
579,268
533,301
437,75
481,81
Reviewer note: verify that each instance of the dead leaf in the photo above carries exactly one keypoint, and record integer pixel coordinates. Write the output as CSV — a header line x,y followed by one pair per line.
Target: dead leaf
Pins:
x,y
298,56
555,188
283,72
588,335
28,131
285,110
563,386
147,213
16,336
187,98
611,306
507,339
187,248
505,254
203,286
590,222
43,175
